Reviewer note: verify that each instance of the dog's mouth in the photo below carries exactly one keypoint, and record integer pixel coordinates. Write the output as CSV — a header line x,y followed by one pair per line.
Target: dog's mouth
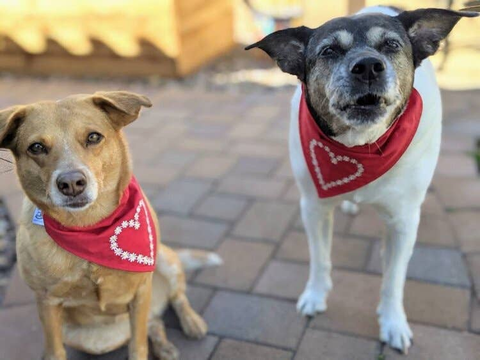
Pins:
x,y
369,101
79,204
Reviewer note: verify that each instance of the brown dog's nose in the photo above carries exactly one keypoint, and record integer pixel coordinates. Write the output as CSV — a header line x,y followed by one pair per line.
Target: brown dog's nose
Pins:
x,y
72,183
368,69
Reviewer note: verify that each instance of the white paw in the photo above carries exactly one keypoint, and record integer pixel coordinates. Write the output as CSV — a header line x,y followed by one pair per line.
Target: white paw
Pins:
x,y
312,302
349,208
395,331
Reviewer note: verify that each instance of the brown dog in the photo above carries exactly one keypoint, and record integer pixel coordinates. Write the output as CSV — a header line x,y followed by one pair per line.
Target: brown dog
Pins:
x,y
73,164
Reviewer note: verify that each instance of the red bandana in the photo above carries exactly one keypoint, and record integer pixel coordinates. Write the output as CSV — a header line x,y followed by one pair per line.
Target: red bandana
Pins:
x,y
126,240
337,169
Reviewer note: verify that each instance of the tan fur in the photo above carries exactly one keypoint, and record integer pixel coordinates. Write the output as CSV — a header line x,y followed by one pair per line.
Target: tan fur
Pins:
x,y
81,304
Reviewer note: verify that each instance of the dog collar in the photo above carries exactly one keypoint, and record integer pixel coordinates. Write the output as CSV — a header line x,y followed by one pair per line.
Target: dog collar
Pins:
x,y
125,240
337,169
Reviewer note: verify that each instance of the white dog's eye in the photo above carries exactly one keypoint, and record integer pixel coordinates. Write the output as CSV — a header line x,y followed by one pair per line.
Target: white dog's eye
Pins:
x,y
327,51
392,44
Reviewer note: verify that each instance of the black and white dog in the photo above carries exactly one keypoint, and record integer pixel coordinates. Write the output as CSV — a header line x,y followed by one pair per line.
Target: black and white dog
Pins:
x,y
366,128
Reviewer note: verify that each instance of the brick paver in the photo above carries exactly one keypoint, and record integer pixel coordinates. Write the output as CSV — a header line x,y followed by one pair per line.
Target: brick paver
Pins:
x,y
221,180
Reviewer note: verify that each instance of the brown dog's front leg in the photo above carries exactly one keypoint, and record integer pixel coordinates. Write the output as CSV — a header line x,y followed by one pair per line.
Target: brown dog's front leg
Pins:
x,y
51,318
139,310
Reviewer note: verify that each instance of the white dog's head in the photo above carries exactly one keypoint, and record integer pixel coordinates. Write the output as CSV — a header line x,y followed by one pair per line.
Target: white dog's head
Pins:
x,y
359,70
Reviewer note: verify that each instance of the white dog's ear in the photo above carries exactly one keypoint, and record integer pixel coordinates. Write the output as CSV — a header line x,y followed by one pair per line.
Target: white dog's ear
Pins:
x,y
10,120
427,27
122,107
287,48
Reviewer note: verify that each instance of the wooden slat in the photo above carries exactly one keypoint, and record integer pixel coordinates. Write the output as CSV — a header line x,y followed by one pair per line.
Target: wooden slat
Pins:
x,y
205,44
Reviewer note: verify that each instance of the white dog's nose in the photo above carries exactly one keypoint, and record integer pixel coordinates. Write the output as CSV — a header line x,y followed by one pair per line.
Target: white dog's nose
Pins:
x,y
368,69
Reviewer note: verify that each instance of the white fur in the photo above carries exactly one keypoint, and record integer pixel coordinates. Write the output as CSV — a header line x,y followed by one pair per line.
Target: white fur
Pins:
x,y
397,195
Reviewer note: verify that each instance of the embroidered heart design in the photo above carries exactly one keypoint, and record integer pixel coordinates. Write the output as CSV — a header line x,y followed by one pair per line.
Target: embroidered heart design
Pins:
x,y
335,159
133,224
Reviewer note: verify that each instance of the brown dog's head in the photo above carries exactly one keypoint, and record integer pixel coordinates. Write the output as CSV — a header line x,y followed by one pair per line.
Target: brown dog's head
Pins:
x,y
71,151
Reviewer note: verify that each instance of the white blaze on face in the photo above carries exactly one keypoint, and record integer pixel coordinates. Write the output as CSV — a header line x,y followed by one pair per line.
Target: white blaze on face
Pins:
x,y
70,162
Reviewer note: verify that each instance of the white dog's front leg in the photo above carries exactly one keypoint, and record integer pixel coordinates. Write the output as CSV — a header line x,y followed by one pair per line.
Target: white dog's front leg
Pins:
x,y
318,221
402,233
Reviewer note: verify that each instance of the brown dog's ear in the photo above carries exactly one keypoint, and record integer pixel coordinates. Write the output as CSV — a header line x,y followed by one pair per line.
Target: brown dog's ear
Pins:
x,y
10,120
427,27
122,107
287,48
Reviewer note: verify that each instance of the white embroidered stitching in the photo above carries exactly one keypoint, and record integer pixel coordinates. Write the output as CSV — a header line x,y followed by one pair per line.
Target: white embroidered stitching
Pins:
x,y
134,223
335,159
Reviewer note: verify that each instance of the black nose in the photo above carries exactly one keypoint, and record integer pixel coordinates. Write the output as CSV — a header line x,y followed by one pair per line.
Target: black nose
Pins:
x,y
368,69
72,183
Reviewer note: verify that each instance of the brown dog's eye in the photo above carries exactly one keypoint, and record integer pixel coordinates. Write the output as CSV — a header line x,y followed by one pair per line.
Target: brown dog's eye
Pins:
x,y
94,138
37,149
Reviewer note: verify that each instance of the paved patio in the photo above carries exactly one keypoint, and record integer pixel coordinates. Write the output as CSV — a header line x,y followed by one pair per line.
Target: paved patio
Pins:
x,y
215,166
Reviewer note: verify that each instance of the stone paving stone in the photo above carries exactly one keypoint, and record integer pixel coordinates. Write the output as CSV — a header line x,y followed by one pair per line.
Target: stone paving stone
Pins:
x,y
292,194
347,252
283,279
432,205
458,193
18,293
285,170
177,158
432,304
159,175
242,263
467,228
457,166
201,145
254,166
247,130
475,320
190,232
259,149
211,167
265,220
241,350
436,230
367,223
354,298
434,343
442,266
181,195
325,345
21,335
253,187
253,318
473,262
192,349
14,202
221,207
453,143
207,129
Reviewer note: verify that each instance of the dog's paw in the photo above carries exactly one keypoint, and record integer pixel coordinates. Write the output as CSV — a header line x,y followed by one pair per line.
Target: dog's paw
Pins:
x,y
312,302
395,331
193,325
167,351
349,208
